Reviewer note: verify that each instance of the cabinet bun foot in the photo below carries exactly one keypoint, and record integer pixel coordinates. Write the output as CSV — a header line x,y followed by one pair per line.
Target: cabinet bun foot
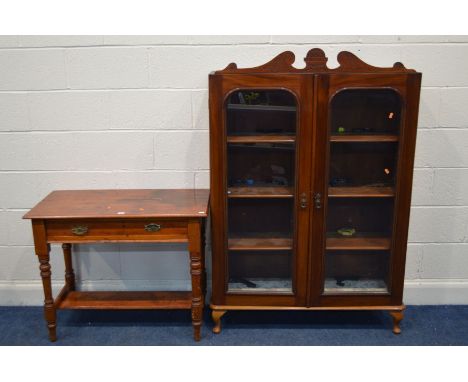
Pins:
x,y
216,315
397,316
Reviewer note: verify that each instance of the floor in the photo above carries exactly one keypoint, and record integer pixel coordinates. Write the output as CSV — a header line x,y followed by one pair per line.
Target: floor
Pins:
x,y
423,325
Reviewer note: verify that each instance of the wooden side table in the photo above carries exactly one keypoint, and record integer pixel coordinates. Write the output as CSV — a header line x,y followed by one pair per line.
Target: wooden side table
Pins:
x,y
120,216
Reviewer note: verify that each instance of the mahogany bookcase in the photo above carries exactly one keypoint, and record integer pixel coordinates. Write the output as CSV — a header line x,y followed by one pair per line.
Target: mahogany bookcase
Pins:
x,y
311,176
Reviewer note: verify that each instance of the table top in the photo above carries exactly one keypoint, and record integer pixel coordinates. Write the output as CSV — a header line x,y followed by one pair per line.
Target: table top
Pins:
x,y
136,203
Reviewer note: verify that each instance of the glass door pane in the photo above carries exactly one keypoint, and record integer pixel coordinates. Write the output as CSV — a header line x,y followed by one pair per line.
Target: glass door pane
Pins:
x,y
261,156
366,111
363,152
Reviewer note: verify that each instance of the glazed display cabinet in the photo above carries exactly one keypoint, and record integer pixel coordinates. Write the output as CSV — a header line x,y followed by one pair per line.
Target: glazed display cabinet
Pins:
x,y
311,175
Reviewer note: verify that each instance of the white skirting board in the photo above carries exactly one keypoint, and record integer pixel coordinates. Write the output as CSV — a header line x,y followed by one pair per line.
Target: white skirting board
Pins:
x,y
417,292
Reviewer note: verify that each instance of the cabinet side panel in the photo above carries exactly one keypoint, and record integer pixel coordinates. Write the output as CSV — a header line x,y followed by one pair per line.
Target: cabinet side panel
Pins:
x,y
404,187
217,171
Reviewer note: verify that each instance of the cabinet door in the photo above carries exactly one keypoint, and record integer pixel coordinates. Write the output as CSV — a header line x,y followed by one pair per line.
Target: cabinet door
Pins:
x,y
362,189
260,149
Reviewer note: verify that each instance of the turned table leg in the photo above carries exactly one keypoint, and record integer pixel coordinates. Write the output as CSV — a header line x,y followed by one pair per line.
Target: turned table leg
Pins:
x,y
49,308
216,316
69,273
397,316
42,249
196,272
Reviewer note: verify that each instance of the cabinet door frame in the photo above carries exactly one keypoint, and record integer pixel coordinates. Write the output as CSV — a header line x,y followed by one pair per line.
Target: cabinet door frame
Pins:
x,y
221,85
326,86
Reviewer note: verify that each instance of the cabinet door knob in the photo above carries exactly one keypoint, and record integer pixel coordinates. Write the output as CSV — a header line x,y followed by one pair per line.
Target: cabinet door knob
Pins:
x,y
303,200
318,200
152,227
79,230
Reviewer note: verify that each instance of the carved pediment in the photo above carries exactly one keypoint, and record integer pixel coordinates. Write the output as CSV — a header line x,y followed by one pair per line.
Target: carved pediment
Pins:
x,y
316,62
281,63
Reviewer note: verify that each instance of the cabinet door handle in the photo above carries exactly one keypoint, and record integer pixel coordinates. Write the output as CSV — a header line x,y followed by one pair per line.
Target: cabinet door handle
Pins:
x,y
303,200
152,227
79,230
318,200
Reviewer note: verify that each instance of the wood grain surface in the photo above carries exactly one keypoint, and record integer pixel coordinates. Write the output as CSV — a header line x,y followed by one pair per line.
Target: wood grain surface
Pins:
x,y
121,203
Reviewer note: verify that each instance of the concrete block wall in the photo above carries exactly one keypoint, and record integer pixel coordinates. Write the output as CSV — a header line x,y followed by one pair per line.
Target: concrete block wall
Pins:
x,y
81,112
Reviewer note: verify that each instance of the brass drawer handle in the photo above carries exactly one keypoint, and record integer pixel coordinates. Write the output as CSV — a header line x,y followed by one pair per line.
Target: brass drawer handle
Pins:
x,y
79,230
152,227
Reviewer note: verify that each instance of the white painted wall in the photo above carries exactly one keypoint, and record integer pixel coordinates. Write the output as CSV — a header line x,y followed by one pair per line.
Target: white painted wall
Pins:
x,y
81,112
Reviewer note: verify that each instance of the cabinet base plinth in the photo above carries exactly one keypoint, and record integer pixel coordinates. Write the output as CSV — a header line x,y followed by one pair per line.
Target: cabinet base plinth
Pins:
x,y
396,312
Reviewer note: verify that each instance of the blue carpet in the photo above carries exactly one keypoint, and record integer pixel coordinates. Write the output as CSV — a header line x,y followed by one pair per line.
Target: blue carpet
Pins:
x,y
422,325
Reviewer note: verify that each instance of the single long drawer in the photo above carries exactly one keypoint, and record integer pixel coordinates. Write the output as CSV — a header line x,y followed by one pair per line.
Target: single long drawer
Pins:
x,y
110,230
145,229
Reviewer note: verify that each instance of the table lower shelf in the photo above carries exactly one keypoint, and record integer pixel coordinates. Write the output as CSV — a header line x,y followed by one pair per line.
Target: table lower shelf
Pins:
x,y
124,300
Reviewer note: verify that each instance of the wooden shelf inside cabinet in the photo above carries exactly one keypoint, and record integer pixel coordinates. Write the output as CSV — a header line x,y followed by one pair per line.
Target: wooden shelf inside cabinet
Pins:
x,y
358,243
125,300
259,244
233,106
261,139
260,192
364,138
361,192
